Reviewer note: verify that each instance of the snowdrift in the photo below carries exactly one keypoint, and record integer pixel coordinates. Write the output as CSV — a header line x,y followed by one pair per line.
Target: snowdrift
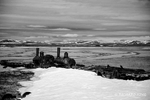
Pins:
x,y
71,84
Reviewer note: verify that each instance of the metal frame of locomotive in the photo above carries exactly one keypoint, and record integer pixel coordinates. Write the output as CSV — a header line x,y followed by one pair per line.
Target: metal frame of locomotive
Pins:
x,y
43,61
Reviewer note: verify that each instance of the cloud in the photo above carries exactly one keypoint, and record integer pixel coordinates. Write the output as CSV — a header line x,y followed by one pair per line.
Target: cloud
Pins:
x,y
115,24
36,26
70,35
61,29
133,18
75,15
146,2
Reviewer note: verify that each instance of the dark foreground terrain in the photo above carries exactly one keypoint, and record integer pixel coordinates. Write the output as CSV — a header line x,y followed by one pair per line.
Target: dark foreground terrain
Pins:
x,y
9,81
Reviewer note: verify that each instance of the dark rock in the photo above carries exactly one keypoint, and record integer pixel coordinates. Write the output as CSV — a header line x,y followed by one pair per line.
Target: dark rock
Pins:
x,y
9,97
25,94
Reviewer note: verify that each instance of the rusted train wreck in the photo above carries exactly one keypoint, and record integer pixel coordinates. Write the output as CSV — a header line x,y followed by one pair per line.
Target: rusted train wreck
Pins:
x,y
45,61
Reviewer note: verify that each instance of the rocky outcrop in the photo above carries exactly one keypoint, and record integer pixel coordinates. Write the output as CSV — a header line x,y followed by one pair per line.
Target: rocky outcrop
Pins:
x,y
9,96
9,83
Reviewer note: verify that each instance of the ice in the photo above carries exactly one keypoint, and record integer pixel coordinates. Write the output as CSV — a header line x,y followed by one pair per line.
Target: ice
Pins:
x,y
73,84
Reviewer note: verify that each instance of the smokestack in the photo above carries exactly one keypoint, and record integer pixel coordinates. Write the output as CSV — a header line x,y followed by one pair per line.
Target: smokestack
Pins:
x,y
66,55
41,54
58,52
37,51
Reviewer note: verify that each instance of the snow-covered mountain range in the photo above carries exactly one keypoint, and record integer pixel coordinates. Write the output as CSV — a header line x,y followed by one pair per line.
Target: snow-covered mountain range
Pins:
x,y
77,42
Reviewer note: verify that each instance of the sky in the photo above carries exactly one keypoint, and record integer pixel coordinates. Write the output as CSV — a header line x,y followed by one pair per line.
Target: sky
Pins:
x,y
131,17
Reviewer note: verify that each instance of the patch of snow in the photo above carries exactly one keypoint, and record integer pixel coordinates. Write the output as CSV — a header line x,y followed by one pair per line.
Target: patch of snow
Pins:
x,y
72,84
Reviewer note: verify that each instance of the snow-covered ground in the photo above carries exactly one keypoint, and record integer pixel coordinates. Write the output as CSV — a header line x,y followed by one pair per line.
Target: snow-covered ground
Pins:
x,y
71,84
